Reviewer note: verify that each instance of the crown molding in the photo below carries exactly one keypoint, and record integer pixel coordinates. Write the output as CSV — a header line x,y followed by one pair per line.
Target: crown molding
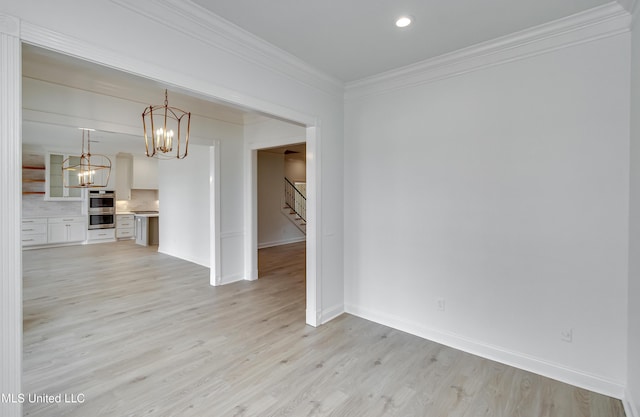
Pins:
x,y
632,7
9,25
629,5
209,28
597,23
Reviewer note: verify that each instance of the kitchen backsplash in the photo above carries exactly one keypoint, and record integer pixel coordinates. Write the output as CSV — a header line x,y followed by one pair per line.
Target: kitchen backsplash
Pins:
x,y
140,200
35,206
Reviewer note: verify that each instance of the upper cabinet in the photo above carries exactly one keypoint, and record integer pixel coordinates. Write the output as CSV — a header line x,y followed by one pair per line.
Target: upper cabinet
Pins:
x,y
124,162
135,173
54,189
55,178
105,176
145,173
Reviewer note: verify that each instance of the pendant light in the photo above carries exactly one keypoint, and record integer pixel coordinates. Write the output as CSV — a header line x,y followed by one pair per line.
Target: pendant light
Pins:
x,y
166,131
87,170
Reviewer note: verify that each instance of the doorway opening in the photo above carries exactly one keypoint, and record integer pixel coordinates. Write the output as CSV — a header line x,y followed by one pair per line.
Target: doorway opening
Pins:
x,y
281,199
229,238
301,167
281,213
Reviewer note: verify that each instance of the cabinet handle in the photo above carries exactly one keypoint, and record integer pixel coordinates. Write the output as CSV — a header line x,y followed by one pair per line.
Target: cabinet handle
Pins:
x,y
67,220
27,230
27,240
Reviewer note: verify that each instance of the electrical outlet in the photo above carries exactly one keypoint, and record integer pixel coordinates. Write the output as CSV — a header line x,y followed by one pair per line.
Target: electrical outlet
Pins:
x,y
440,304
567,335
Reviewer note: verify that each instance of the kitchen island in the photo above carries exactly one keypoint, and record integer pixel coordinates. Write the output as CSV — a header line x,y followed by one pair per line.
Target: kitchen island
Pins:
x,y
146,225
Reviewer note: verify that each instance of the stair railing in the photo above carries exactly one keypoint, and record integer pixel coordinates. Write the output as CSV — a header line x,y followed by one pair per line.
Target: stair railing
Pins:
x,y
295,200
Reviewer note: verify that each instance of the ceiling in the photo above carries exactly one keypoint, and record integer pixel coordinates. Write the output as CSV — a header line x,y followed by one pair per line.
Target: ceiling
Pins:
x,y
290,151
57,68
63,70
354,39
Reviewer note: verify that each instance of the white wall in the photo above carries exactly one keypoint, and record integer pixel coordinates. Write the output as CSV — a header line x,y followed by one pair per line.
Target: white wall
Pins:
x,y
186,211
295,168
503,192
232,228
273,227
184,223
633,370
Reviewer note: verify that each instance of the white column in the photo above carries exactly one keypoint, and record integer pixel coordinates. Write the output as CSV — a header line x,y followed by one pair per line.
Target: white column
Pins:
x,y
251,214
10,216
314,236
215,276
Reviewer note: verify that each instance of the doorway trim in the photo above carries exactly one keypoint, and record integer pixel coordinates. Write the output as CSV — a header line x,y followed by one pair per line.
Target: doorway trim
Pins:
x,y
313,301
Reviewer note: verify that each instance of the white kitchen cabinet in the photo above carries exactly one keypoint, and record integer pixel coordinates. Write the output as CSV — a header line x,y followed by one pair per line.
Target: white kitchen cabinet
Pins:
x,y
145,173
142,233
55,177
54,189
34,231
124,173
125,226
101,235
106,176
66,229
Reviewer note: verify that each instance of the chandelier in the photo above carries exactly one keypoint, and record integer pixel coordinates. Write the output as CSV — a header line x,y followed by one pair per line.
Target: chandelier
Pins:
x,y
87,170
165,129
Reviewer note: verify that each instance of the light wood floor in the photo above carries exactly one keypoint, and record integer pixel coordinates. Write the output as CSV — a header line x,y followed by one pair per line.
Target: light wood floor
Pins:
x,y
139,333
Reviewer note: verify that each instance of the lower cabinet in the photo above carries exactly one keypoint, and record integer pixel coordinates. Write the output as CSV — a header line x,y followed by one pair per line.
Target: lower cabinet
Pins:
x,y
42,231
102,234
67,229
34,231
125,226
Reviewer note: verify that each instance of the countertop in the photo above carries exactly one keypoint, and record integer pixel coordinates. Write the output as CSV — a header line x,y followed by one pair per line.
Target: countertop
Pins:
x,y
146,214
139,214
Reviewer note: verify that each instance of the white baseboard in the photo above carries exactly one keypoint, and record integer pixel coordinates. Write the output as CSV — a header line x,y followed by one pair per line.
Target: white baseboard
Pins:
x,y
94,241
281,242
227,280
201,262
630,407
331,313
231,278
223,280
519,360
313,317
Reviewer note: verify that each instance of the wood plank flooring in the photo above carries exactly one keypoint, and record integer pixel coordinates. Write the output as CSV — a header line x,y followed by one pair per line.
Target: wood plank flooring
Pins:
x,y
136,333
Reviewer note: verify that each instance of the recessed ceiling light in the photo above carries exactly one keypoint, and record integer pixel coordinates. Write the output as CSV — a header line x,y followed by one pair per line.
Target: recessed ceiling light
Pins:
x,y
403,21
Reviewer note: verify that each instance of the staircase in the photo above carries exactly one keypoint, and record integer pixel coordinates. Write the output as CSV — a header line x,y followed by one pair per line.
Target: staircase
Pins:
x,y
294,206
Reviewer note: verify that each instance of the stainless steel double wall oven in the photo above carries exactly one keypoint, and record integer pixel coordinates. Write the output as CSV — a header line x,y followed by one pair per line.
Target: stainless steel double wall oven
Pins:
x,y
102,210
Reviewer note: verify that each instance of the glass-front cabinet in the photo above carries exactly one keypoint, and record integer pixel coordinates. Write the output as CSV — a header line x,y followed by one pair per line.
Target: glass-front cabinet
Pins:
x,y
55,179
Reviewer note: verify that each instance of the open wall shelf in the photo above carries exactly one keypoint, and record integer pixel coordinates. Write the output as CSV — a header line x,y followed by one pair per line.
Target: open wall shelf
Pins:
x,y
33,175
